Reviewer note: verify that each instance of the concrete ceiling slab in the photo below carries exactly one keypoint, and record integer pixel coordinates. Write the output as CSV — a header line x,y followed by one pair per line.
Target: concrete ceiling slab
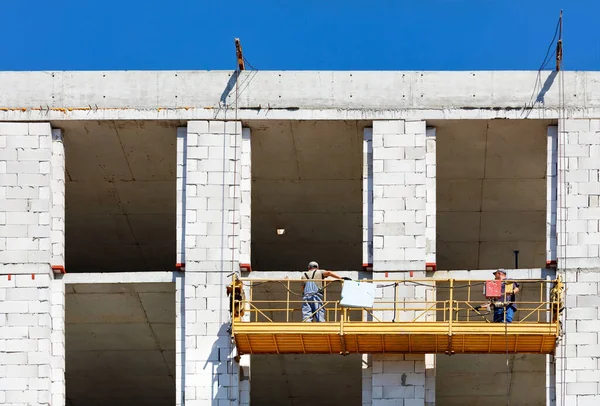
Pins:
x,y
472,380
146,197
459,195
120,194
120,344
307,179
92,198
90,308
459,226
153,305
282,196
461,149
514,195
501,254
457,255
116,337
491,193
515,149
513,226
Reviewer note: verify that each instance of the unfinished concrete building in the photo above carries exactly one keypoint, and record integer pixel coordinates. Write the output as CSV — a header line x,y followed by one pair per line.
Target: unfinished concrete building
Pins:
x,y
131,201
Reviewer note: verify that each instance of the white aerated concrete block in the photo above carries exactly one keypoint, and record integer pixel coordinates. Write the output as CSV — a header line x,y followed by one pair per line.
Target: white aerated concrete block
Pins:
x,y
206,186
399,193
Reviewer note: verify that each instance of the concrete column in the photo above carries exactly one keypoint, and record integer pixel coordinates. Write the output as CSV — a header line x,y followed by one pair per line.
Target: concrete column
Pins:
x,y
180,195
212,229
551,202
368,198
367,380
578,214
27,353
399,195
400,379
57,210
430,201
430,379
246,203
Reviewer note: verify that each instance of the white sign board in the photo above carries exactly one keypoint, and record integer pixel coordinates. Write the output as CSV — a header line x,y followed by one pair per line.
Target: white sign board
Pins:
x,y
357,294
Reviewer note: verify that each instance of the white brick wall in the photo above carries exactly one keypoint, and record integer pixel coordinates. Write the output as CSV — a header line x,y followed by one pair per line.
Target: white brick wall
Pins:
x,y
31,320
551,198
576,369
180,323
25,198
212,250
399,195
57,338
578,194
368,197
430,201
398,380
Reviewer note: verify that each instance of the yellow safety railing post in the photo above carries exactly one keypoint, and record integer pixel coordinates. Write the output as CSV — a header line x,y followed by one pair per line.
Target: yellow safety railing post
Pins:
x,y
255,313
469,300
287,303
451,307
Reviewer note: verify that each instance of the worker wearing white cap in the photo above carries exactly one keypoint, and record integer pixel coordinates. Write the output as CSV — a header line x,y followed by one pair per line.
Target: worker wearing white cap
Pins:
x,y
507,304
312,292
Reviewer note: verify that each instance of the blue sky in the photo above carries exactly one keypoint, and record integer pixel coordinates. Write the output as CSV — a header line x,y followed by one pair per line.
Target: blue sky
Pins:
x,y
295,35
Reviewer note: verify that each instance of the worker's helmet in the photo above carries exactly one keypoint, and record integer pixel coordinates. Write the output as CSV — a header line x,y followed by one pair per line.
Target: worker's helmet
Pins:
x,y
313,265
500,270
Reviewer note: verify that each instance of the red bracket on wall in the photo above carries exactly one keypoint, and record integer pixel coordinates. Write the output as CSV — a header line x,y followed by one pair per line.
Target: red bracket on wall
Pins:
x,y
180,267
367,267
58,269
430,266
245,268
552,264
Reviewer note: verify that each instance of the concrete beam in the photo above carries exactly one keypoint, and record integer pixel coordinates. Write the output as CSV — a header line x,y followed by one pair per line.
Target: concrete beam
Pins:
x,y
294,95
121,277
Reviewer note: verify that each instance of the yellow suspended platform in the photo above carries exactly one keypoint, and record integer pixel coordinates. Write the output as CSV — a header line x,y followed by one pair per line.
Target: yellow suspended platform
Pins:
x,y
403,338
441,317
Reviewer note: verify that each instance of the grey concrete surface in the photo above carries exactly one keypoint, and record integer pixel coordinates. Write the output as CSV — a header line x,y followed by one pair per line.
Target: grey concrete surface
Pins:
x,y
338,95
306,380
120,195
120,344
474,380
491,193
307,178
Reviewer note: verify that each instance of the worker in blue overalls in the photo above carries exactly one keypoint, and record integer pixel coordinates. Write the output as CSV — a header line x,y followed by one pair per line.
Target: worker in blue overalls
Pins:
x,y
505,304
312,292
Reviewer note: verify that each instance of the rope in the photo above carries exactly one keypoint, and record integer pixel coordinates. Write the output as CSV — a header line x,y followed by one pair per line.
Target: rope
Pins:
x,y
562,208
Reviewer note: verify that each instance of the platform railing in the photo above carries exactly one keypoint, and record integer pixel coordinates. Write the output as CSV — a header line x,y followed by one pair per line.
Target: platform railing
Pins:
x,y
396,301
